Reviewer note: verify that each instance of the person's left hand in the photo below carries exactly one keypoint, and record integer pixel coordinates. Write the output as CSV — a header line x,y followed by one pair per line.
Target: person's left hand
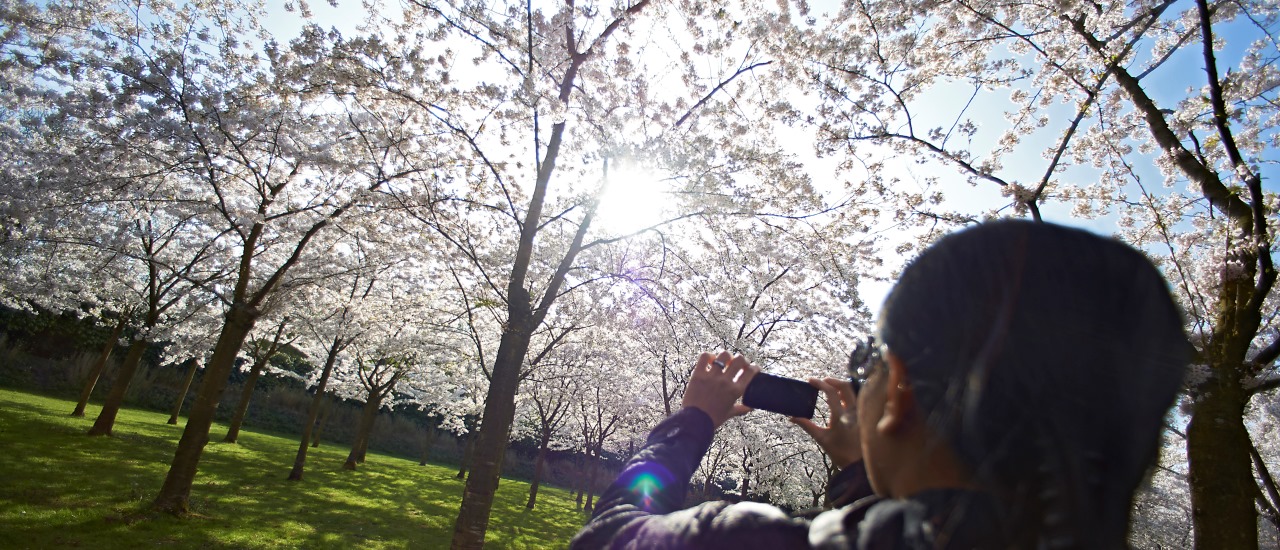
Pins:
x,y
840,437
716,385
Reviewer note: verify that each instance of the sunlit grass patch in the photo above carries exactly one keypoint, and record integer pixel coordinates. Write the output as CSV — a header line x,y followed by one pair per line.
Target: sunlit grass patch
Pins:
x,y
63,489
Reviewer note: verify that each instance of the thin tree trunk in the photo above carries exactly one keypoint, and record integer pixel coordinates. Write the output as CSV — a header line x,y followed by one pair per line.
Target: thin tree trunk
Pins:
x,y
107,417
233,432
98,365
363,449
262,358
666,396
300,460
327,408
182,395
538,465
581,485
364,428
592,467
467,454
176,491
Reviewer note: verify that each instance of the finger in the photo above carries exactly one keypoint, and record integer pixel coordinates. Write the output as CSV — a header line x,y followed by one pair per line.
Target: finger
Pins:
x,y
735,366
701,367
748,372
845,388
831,394
739,410
808,426
723,359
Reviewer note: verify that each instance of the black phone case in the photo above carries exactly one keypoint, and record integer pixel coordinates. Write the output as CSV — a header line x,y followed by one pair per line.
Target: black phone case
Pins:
x,y
785,396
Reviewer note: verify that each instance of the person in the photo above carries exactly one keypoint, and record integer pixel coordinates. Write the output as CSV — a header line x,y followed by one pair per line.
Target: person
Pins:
x,y
1013,396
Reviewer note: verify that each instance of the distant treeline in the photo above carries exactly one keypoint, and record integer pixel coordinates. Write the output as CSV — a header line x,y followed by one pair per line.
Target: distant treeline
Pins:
x,y
52,354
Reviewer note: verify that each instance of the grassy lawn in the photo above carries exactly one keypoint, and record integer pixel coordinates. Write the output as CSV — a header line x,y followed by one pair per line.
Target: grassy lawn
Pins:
x,y
62,489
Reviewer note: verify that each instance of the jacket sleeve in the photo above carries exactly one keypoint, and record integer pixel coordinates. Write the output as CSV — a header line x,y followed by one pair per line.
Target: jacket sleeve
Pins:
x,y
641,507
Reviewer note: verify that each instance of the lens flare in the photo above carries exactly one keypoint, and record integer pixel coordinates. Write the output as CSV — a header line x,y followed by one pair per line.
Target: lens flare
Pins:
x,y
646,481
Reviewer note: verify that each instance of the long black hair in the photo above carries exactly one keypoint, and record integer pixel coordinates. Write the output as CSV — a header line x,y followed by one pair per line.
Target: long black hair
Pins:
x,y
1048,358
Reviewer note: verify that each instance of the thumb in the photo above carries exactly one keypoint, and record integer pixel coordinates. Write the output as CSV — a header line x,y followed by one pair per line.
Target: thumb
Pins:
x,y
739,410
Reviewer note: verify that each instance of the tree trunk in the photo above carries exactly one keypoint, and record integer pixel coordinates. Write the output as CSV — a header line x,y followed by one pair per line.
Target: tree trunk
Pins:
x,y
242,407
300,460
363,449
491,442
363,429
581,485
666,395
327,407
467,453
429,441
182,395
98,365
107,417
1221,471
592,467
538,465
176,491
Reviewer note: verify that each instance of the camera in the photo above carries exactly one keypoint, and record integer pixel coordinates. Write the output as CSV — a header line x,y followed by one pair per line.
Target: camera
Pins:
x,y
786,396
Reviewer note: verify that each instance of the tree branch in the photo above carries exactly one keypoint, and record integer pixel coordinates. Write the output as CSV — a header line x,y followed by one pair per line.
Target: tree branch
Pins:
x,y
718,87
1268,483
1211,186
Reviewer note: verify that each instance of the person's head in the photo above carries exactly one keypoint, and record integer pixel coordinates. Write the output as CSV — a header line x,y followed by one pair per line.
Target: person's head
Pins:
x,y
1043,359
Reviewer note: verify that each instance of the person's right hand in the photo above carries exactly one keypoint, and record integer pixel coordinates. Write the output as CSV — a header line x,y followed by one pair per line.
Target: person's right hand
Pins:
x,y
716,384
839,438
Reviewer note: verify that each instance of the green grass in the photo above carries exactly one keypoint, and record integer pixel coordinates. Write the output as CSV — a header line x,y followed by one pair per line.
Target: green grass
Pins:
x,y
62,489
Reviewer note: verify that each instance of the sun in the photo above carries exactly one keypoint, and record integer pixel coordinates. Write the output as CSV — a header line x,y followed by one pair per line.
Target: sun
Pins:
x,y
635,199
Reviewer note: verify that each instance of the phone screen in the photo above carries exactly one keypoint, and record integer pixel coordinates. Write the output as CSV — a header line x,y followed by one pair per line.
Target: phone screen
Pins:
x,y
786,396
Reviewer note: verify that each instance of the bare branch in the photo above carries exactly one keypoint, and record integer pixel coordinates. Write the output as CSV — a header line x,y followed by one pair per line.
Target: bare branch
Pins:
x,y
1268,483
1264,387
1268,354
718,87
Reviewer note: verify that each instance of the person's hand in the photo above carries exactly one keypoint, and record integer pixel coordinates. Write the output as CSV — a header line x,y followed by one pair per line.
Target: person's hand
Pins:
x,y
716,385
839,438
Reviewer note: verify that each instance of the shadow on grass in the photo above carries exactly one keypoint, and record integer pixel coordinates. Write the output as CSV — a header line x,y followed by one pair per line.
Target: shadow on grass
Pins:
x,y
65,489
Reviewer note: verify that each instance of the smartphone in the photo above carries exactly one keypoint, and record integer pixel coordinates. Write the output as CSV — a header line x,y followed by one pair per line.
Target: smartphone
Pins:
x,y
786,396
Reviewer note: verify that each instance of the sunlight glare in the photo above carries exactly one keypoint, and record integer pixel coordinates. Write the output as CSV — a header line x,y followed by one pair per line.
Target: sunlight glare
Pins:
x,y
635,199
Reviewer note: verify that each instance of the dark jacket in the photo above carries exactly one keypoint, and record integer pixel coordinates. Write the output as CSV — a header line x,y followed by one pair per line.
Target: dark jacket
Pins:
x,y
641,509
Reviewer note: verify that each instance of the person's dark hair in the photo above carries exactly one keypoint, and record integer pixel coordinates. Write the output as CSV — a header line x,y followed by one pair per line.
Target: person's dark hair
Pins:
x,y
1048,358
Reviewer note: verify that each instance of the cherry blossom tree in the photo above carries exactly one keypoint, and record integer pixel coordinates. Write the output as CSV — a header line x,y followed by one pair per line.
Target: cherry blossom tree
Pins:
x,y
255,159
114,248
334,317
551,394
78,230
169,282
378,378
578,70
